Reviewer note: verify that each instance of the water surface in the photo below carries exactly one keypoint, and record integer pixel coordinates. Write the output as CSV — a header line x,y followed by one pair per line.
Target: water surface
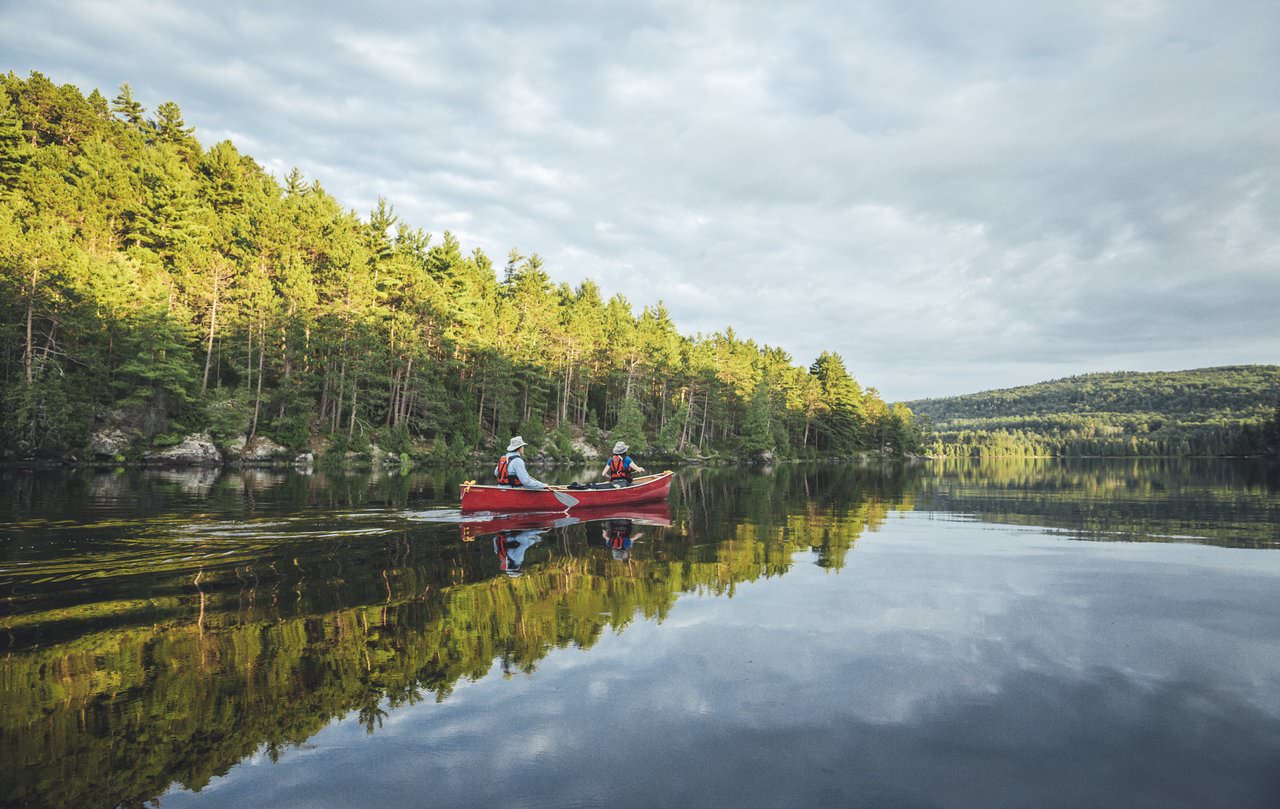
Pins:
x,y
1001,634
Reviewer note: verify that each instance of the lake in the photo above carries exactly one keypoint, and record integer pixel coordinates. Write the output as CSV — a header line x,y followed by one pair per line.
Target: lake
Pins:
x,y
1008,633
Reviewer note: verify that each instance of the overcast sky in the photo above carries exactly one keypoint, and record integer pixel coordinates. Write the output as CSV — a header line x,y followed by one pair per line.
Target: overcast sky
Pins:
x,y
954,196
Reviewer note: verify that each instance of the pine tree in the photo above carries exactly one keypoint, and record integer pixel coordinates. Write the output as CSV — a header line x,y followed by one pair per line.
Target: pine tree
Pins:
x,y
757,430
127,108
169,126
15,151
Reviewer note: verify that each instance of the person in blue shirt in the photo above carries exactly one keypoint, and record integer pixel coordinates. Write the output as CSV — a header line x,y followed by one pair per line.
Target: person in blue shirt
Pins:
x,y
511,470
618,538
620,468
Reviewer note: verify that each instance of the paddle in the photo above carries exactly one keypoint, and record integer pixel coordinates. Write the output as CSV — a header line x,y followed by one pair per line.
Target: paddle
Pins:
x,y
566,500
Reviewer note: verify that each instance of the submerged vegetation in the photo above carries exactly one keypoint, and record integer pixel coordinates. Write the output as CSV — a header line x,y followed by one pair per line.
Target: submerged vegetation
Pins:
x,y
154,287
1210,411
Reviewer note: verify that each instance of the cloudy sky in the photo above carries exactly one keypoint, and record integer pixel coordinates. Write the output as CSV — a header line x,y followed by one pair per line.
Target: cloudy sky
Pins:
x,y
954,196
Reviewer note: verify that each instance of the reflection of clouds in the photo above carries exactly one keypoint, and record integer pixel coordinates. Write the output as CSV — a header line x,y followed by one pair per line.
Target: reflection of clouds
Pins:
x,y
947,664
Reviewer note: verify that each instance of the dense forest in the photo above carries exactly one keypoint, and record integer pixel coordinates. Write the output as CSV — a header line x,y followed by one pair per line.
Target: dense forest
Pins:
x,y
1211,411
152,285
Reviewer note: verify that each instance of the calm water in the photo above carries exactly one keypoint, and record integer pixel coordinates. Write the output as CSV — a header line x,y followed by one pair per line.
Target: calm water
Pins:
x,y
1023,634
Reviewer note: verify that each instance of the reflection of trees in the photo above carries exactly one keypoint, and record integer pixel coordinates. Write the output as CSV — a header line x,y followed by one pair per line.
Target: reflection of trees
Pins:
x,y
112,688
177,679
1216,502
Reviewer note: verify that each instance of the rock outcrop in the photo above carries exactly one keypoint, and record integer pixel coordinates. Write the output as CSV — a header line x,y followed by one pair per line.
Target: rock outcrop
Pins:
x,y
110,442
196,449
261,450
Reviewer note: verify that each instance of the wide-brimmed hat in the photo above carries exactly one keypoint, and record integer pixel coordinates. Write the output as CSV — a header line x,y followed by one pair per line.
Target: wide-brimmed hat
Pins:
x,y
619,448
515,444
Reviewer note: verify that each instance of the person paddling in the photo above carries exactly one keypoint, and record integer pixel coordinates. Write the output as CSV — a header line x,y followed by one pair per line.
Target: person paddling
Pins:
x,y
621,467
511,470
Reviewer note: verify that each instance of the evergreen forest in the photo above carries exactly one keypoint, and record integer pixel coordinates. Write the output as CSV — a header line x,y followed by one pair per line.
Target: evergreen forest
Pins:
x,y
152,285
1231,410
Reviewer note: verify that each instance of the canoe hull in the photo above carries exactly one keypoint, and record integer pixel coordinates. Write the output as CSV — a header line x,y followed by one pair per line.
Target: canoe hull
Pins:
x,y
507,500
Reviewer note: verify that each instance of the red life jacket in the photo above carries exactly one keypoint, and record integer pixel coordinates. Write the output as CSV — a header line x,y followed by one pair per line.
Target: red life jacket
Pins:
x,y
618,469
618,538
505,478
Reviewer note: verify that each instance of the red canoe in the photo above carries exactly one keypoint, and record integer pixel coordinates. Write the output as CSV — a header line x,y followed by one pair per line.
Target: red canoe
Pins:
x,y
507,499
652,513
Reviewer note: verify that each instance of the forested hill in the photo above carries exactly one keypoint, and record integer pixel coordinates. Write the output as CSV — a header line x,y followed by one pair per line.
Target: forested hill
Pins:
x,y
151,288
1205,411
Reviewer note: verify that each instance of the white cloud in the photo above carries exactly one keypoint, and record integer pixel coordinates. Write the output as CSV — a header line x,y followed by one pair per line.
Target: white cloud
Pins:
x,y
954,197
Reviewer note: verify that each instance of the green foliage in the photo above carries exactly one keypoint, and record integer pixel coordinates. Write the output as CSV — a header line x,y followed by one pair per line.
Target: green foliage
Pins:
x,y
1210,411
757,432
394,440
562,444
166,440
228,414
668,439
190,287
630,426
533,432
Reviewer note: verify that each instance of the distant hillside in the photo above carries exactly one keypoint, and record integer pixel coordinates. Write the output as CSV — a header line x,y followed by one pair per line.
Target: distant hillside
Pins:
x,y
1208,411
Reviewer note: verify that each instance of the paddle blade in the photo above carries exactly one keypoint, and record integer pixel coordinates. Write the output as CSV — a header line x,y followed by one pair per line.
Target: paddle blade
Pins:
x,y
566,500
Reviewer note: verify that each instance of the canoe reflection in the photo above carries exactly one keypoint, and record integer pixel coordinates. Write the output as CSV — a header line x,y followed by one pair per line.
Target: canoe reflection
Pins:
x,y
515,534
479,525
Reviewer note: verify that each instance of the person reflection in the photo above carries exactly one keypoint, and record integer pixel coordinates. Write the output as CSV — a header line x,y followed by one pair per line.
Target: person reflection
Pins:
x,y
617,536
510,546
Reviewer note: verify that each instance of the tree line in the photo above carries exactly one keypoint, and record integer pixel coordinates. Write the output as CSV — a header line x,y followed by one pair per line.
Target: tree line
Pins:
x,y
1230,410
153,284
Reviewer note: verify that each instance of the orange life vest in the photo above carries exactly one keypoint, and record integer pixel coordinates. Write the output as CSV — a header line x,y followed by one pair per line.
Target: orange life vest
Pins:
x,y
505,478
619,469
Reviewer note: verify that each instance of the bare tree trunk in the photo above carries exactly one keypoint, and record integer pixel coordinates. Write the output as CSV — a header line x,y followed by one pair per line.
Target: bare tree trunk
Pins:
x,y
393,404
702,436
324,395
662,417
684,428
248,380
28,356
410,401
337,406
284,360
406,395
355,392
262,356
213,325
